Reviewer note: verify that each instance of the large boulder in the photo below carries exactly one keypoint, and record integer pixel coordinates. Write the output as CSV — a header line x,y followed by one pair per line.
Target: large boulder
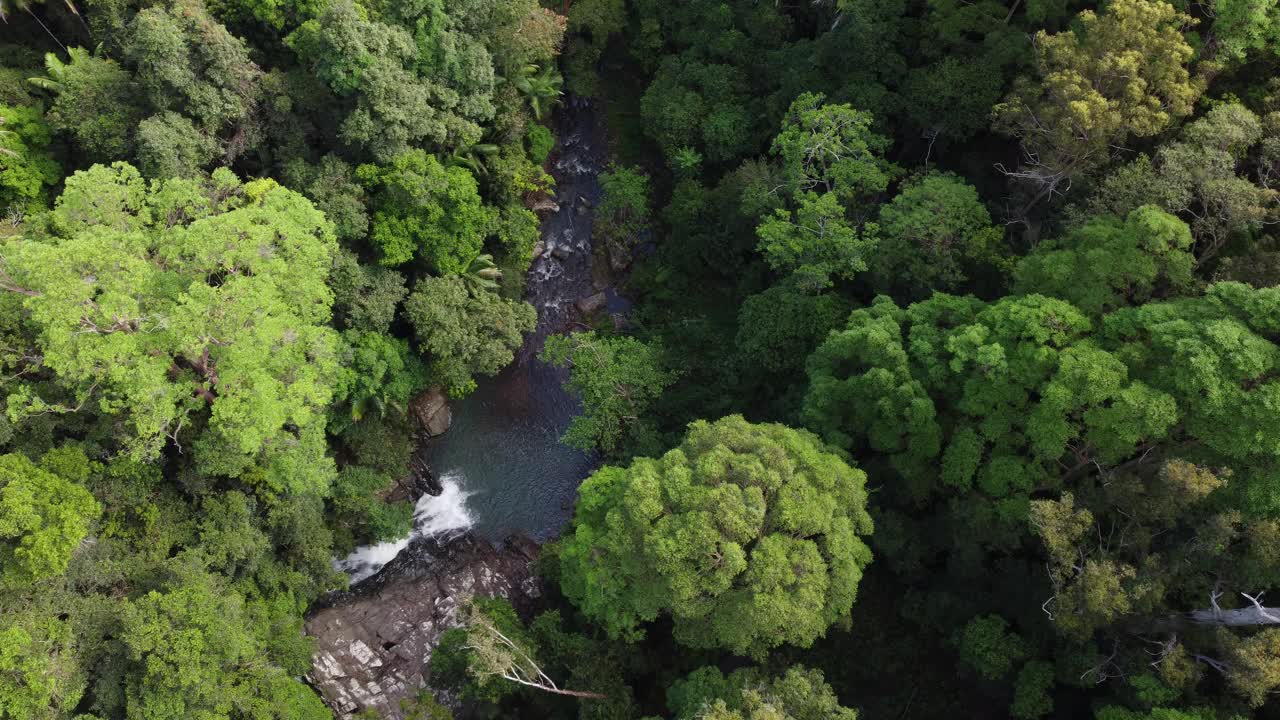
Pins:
x,y
374,643
430,411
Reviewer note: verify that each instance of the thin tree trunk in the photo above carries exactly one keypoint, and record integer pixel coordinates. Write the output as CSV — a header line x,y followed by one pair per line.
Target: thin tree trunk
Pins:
x,y
46,29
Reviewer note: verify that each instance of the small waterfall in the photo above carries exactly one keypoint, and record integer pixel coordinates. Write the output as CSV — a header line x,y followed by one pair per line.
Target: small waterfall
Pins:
x,y
445,514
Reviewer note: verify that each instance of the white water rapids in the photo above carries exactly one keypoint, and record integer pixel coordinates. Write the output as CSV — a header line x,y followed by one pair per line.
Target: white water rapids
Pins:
x,y
445,514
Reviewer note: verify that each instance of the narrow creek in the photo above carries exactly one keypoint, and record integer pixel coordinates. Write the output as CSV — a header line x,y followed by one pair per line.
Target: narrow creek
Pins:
x,y
501,465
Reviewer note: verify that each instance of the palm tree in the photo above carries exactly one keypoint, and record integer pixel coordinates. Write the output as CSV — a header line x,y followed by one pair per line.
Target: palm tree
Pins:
x,y
541,86
482,274
472,157
57,70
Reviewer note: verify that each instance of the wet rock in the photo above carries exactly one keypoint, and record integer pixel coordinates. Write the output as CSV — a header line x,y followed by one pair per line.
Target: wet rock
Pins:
x,y
430,411
374,643
539,248
560,252
592,304
417,483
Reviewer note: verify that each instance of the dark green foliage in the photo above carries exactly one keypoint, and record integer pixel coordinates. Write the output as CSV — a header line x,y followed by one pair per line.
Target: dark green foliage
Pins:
x,y
465,332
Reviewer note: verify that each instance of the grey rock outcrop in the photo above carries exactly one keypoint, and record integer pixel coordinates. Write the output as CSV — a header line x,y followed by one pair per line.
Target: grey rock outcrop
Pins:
x,y
431,413
374,643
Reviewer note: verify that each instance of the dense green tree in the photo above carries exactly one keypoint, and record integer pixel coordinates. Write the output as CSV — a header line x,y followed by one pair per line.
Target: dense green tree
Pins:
x,y
1106,264
747,535
1216,176
400,98
365,297
27,169
424,209
43,519
780,327
177,330
830,148
95,100
703,106
170,146
465,333
816,242
1243,26
193,654
187,62
617,379
38,676
936,235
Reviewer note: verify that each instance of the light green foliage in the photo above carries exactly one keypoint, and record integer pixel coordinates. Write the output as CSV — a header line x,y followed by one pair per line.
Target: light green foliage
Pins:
x,y
830,148
1255,665
187,62
38,675
1203,176
993,395
747,535
539,141
193,654
1118,73
935,235
1242,26
815,241
465,333
94,99
1107,264
27,168
617,379
424,209
1217,356
986,645
43,518
170,146
181,303
746,694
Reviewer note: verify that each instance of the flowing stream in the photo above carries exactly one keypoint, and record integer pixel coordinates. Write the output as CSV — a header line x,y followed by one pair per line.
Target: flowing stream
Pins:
x,y
501,465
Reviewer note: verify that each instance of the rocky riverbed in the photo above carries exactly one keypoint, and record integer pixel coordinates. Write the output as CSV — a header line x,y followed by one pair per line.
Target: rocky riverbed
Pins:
x,y
374,644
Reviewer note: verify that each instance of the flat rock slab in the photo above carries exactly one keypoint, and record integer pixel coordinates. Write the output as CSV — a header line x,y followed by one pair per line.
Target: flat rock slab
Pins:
x,y
374,643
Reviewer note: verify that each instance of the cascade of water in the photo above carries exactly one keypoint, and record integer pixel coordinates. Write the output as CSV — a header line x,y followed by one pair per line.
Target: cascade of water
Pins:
x,y
445,514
